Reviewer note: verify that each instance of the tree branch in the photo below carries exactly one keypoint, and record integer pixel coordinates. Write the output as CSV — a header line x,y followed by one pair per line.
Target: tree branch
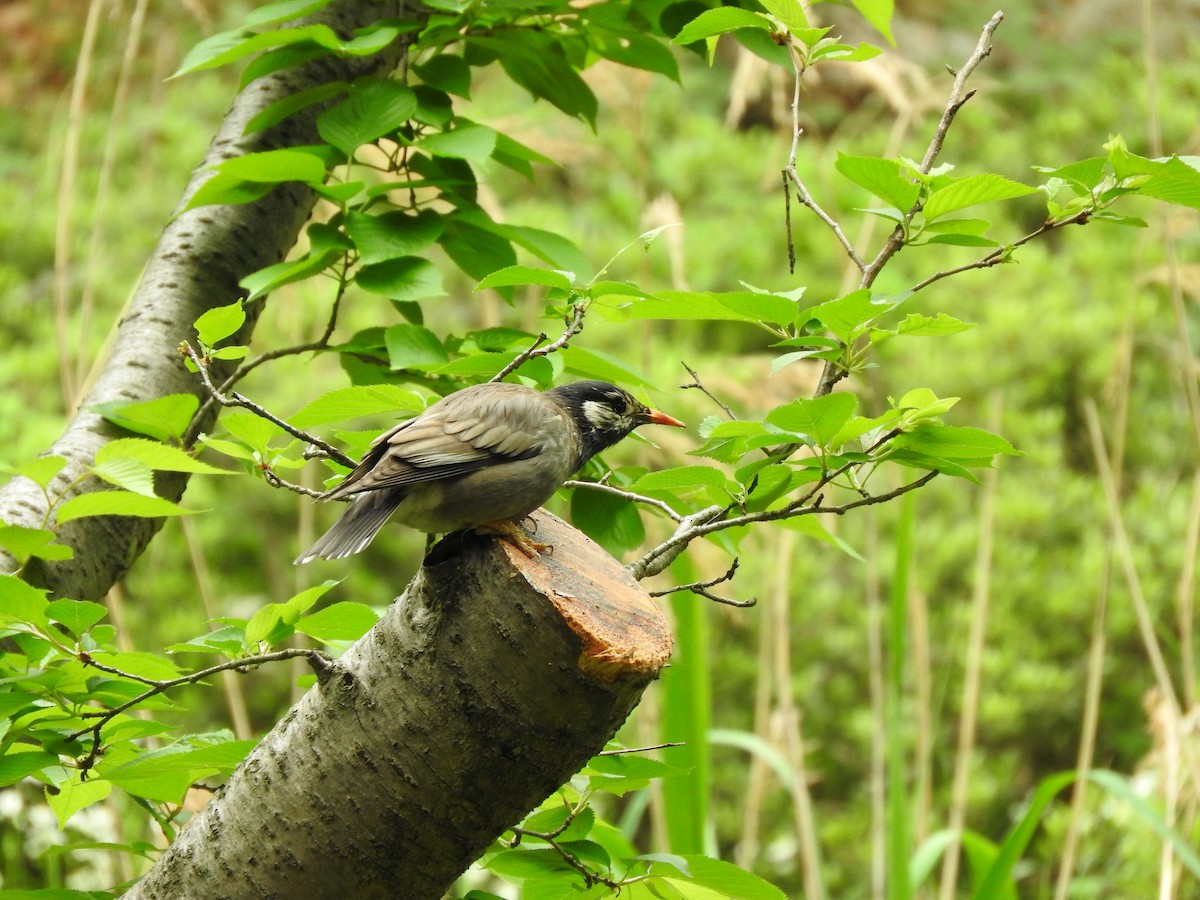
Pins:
x,y
574,326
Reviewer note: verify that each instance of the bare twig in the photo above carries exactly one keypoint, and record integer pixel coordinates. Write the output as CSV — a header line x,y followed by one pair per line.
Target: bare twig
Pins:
x,y
237,400
959,95
1001,254
711,520
702,588
275,481
551,837
574,326
697,384
318,660
625,495
624,750
245,369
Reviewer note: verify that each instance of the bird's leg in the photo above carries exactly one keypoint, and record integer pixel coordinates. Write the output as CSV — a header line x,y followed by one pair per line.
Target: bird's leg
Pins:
x,y
513,533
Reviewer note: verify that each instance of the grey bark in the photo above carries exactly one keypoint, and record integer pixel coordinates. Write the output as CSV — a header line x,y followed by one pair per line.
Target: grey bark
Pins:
x,y
196,266
490,682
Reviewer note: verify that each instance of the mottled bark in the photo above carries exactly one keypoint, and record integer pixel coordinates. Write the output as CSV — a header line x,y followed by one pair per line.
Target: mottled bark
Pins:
x,y
482,689
196,266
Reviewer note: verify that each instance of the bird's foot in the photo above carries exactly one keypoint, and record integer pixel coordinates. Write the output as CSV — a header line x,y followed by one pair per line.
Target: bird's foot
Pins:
x,y
515,535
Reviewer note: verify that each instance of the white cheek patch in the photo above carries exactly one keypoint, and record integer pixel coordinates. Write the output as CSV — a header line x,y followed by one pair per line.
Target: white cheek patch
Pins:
x,y
601,416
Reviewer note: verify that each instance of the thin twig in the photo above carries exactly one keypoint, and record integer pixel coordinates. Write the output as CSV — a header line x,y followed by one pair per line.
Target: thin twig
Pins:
x,y
574,326
1000,254
658,558
697,384
702,588
625,495
623,750
237,400
316,658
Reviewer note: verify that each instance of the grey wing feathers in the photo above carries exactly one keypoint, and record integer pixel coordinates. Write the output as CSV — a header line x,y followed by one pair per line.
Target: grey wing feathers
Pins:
x,y
450,438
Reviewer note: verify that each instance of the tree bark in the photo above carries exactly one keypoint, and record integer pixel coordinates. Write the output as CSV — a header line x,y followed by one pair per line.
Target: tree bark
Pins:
x,y
199,260
484,687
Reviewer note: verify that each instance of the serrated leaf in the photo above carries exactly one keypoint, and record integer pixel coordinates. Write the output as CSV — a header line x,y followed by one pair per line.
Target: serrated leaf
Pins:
x,y
23,542
164,418
372,110
789,12
972,190
15,766
414,347
219,323
884,178
130,474
403,278
117,503
520,275
274,167
21,602
160,457
345,621
722,20
879,14
820,418
75,615
446,72
728,880
392,234
144,665
262,282
737,306
254,430
470,141
41,471
955,442
75,794
353,402
680,478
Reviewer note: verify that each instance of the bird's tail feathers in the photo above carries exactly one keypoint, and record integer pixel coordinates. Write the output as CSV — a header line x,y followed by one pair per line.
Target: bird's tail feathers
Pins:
x,y
355,529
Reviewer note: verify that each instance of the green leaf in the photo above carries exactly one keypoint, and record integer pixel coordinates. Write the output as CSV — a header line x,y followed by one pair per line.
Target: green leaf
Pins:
x,y
789,12
819,419
403,278
282,11
219,323
20,602
268,279
971,191
373,109
879,14
21,764
611,521
414,346
392,234
345,621
537,61
601,365
76,615
680,478
851,315
166,774
274,167
721,20
160,457
950,442
41,471
478,251
23,542
882,177
117,503
638,51
736,306
513,275
292,104
255,431
728,880
446,72
353,402
75,794
130,474
145,665
469,141
164,418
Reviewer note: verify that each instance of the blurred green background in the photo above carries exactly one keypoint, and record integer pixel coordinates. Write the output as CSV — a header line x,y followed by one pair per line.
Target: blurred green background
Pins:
x,y
92,161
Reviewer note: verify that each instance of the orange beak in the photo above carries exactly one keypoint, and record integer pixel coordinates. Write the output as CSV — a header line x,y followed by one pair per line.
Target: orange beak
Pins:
x,y
654,417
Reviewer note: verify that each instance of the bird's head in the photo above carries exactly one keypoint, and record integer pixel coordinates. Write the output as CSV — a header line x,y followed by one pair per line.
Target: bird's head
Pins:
x,y
604,413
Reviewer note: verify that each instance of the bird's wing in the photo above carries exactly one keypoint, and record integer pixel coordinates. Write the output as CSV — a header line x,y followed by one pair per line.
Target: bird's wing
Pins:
x,y
459,434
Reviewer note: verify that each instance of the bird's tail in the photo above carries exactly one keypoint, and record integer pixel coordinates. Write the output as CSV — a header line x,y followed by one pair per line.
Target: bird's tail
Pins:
x,y
355,529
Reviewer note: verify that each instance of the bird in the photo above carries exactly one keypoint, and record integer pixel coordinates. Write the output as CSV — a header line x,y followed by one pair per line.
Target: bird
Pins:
x,y
481,458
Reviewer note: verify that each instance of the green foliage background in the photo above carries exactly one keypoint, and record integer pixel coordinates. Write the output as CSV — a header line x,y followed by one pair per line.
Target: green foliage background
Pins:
x,y
1051,337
